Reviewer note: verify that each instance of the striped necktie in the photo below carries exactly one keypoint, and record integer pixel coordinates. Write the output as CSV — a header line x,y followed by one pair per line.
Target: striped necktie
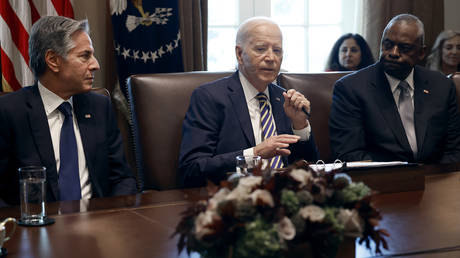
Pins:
x,y
268,126
69,178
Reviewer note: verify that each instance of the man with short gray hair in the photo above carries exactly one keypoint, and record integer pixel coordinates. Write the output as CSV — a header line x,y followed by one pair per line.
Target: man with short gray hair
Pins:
x,y
245,113
396,109
59,124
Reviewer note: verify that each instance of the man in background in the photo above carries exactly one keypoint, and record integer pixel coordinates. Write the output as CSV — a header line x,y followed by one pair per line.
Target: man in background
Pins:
x,y
57,123
395,109
246,114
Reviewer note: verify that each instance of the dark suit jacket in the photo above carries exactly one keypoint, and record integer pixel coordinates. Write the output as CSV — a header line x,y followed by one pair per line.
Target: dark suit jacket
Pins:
x,y
217,128
25,140
365,122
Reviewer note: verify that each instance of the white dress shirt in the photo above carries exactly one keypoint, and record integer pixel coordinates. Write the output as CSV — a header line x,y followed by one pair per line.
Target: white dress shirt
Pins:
x,y
51,102
250,93
394,86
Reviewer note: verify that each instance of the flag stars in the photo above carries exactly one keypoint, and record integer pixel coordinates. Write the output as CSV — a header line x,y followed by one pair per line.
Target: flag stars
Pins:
x,y
145,56
125,53
161,51
169,48
117,49
154,56
176,43
135,54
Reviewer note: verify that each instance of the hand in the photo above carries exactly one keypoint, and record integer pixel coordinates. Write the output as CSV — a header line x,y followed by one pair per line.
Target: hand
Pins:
x,y
293,103
275,145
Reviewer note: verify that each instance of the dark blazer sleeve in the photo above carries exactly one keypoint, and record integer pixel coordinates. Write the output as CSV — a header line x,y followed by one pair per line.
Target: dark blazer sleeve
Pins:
x,y
346,128
452,146
198,159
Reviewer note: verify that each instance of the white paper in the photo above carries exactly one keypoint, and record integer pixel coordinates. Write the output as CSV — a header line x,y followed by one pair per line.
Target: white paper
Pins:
x,y
356,164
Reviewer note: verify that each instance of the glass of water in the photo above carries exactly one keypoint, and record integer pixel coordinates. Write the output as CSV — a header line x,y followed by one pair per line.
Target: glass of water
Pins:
x,y
246,164
33,195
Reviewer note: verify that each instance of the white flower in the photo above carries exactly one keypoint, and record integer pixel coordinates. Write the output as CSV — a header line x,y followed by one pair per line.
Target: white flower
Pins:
x,y
301,176
203,223
313,213
353,224
244,188
285,229
264,196
250,181
218,197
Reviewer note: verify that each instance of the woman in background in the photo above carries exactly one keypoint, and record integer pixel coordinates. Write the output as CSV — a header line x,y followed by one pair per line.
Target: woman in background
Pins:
x,y
349,53
445,54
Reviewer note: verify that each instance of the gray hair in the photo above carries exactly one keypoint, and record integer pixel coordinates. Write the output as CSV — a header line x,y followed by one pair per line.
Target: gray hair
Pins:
x,y
52,33
408,18
434,60
244,30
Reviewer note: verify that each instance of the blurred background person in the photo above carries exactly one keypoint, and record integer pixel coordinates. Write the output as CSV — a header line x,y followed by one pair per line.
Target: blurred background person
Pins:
x,y
445,54
349,53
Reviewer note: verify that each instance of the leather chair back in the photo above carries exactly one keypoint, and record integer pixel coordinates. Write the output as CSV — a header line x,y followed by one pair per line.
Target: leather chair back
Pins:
x,y
456,78
158,106
318,88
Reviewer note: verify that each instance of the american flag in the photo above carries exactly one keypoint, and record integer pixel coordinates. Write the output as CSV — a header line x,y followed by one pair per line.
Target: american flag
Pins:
x,y
16,19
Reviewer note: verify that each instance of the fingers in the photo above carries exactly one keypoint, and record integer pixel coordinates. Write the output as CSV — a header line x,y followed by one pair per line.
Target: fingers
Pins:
x,y
296,100
275,145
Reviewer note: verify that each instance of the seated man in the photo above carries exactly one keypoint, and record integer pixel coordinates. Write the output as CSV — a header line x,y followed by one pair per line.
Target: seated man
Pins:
x,y
57,123
245,113
395,109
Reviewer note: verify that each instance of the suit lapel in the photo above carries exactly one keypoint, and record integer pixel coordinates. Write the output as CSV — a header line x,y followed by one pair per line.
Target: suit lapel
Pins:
x,y
388,108
240,106
421,98
85,119
41,133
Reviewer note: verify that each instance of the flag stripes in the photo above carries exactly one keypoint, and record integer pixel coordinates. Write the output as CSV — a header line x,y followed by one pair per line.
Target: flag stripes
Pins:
x,y
16,19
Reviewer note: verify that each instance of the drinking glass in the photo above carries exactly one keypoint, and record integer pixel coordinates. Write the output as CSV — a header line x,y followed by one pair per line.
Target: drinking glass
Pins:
x,y
33,195
246,164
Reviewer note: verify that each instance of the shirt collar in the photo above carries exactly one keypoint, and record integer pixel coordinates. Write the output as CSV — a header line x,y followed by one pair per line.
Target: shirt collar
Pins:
x,y
50,100
395,82
250,92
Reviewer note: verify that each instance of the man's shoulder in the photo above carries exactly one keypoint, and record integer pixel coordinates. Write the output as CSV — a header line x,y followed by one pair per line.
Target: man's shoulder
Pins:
x,y
217,87
362,75
16,98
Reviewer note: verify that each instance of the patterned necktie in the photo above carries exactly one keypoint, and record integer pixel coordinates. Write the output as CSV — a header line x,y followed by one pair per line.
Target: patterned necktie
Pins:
x,y
406,111
69,178
268,126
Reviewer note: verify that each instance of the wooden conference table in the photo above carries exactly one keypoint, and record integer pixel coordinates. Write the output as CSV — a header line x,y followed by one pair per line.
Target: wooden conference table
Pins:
x,y
141,225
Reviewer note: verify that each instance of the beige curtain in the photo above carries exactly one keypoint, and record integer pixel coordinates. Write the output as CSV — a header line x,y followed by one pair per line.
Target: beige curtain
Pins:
x,y
377,13
193,19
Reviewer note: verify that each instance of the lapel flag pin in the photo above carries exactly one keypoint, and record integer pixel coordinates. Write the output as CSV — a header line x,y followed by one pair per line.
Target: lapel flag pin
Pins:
x,y
426,91
87,115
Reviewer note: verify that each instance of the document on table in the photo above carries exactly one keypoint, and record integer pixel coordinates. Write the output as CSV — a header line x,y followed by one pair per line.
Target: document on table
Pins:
x,y
358,165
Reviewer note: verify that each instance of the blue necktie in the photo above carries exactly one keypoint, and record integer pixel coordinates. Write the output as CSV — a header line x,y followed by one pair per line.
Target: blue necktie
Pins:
x,y
268,126
69,178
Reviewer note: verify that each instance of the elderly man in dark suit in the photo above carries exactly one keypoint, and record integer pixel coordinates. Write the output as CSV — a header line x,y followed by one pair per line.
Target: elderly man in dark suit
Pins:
x,y
395,109
245,113
57,123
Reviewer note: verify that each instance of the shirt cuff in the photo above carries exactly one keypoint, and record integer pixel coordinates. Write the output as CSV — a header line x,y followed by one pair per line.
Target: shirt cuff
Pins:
x,y
248,152
303,133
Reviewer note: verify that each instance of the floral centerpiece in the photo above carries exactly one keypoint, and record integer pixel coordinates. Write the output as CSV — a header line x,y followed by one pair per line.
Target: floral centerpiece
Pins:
x,y
274,215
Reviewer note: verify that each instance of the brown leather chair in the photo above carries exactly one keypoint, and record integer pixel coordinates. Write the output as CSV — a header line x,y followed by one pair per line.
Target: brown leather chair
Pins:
x,y
456,78
317,87
158,105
